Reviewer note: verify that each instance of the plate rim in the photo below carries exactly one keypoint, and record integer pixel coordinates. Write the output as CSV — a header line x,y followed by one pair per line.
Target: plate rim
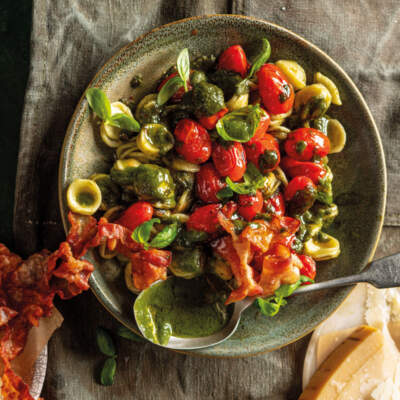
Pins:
x,y
349,81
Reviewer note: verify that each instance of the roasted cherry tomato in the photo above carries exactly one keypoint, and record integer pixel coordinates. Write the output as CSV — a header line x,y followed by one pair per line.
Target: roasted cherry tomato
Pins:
x,y
300,193
233,59
194,142
208,183
309,267
180,92
309,169
210,122
262,128
136,214
264,153
304,143
206,218
276,92
250,205
229,159
275,205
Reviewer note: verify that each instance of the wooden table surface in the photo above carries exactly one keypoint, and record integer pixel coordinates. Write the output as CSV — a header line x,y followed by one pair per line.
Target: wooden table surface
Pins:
x,y
147,372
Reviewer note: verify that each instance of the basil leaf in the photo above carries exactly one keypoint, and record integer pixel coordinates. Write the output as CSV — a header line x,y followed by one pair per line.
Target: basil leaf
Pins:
x,y
261,56
287,290
169,89
270,306
240,125
124,121
240,188
183,67
99,103
165,237
253,180
142,232
126,333
225,193
105,342
108,372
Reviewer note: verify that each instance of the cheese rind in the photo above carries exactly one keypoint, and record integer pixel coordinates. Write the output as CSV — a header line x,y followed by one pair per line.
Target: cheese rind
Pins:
x,y
337,370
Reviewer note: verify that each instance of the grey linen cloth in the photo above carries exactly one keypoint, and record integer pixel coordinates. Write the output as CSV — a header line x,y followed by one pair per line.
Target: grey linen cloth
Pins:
x,y
71,39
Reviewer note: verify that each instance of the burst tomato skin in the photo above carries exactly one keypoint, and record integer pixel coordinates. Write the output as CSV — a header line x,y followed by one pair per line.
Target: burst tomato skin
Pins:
x,y
208,183
230,160
275,204
262,128
298,184
276,92
264,153
309,169
211,121
177,97
309,267
250,205
206,218
305,143
194,142
136,214
234,59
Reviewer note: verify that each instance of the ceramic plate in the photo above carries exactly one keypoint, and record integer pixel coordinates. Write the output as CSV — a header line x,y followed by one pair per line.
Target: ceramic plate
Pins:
x,y
359,184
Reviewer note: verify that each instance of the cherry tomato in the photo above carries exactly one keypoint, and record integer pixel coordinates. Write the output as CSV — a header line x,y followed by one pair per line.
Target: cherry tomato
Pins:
x,y
250,205
194,142
309,169
230,159
208,183
206,218
210,122
262,128
304,143
233,59
275,204
309,267
300,193
297,184
136,214
264,153
180,92
276,92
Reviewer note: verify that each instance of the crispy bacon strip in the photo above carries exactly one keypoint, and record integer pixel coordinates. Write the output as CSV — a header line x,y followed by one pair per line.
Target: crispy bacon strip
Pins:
x,y
27,288
279,268
243,272
83,230
149,266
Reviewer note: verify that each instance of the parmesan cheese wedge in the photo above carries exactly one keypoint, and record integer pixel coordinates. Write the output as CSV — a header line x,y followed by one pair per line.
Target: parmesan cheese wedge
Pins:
x,y
338,369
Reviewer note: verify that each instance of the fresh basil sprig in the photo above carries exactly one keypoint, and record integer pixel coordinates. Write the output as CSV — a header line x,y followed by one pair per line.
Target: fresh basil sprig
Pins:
x,y
169,89
260,57
175,83
100,104
270,306
105,342
253,180
107,373
163,239
183,67
225,193
240,125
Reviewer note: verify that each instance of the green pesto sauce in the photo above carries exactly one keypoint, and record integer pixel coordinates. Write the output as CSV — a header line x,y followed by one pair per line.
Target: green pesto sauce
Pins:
x,y
85,198
172,308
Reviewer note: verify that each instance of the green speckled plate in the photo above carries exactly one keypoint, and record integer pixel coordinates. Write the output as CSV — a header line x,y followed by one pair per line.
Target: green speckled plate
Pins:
x,y
359,184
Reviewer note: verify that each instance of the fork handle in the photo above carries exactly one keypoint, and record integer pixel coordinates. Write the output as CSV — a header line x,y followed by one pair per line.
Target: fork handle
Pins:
x,y
382,273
